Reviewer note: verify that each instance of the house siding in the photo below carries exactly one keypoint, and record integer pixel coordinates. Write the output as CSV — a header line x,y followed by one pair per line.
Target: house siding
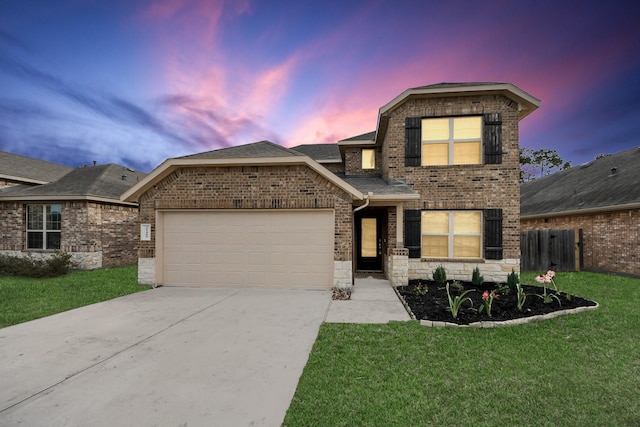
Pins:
x,y
477,187
250,187
611,240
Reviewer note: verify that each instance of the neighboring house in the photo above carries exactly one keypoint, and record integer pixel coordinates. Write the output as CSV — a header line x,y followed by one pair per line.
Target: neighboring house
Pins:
x,y
601,198
77,211
437,183
16,169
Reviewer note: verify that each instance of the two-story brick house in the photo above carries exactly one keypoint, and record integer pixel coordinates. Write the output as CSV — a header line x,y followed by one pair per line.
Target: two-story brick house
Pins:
x,y
437,183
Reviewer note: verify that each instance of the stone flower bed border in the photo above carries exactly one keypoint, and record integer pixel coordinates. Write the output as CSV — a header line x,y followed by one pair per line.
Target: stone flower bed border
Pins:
x,y
492,324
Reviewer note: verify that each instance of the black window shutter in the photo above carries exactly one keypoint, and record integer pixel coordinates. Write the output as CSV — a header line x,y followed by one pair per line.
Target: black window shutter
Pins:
x,y
493,138
412,232
413,141
493,233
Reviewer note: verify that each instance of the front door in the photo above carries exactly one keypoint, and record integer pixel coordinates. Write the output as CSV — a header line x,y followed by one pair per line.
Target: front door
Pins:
x,y
369,242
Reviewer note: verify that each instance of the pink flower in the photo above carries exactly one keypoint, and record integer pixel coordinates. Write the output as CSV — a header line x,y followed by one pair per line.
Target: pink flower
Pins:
x,y
494,295
485,295
540,279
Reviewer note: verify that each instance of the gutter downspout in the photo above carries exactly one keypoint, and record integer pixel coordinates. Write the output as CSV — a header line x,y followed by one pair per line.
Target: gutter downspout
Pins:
x,y
353,237
366,202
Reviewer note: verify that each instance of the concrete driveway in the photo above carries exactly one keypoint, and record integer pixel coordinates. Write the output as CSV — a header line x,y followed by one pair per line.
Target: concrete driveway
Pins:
x,y
164,357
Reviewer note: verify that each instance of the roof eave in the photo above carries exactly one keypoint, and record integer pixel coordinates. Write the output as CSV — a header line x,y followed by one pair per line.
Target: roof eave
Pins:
x,y
62,198
393,197
22,179
170,165
599,209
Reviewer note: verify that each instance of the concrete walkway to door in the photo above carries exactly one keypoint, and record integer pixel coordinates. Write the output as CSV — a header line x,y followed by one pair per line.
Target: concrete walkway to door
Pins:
x,y
164,357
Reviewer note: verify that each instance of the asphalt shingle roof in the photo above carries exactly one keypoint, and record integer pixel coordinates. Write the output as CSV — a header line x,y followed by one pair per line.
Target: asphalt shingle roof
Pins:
x,y
609,181
104,181
376,185
369,136
256,149
320,152
15,165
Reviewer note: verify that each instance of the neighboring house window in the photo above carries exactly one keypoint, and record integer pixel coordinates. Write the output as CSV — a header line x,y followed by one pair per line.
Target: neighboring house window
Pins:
x,y
368,158
451,234
43,226
453,140
454,234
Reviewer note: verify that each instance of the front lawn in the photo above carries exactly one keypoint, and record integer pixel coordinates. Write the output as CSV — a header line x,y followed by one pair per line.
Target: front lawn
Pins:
x,y
24,299
580,369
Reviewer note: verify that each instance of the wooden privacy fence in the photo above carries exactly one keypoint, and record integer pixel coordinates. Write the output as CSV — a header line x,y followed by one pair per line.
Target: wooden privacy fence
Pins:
x,y
558,250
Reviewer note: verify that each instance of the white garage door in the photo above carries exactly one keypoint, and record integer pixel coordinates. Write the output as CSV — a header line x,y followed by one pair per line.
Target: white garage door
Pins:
x,y
284,249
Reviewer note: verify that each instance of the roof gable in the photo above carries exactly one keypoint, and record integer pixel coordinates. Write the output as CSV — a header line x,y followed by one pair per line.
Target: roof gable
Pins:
x,y
610,182
30,170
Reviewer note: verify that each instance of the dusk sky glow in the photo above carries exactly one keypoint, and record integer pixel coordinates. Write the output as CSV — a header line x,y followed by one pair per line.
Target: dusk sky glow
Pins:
x,y
136,82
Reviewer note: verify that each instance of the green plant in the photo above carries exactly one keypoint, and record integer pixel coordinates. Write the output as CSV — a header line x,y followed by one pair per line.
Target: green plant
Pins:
x,y
488,298
476,277
457,286
512,280
420,289
546,279
56,265
440,275
456,302
522,297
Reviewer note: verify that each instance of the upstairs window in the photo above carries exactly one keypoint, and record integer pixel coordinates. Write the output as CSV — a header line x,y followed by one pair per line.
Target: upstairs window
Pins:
x,y
368,158
43,226
452,141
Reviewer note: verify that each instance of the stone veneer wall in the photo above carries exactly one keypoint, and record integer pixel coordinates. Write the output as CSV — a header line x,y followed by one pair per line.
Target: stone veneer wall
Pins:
x,y
485,186
96,235
611,240
250,187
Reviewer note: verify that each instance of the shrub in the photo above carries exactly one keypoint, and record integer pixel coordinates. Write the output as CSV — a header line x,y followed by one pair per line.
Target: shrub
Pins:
x,y
57,265
513,280
440,275
476,277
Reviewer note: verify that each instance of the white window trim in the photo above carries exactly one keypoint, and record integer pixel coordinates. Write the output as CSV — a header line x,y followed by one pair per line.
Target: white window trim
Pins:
x,y
44,231
450,234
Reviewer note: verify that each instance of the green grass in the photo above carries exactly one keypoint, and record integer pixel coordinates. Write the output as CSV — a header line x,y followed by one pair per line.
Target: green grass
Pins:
x,y
575,370
24,299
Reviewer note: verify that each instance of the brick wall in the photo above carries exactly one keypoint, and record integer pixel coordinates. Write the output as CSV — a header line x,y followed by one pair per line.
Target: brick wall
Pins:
x,y
105,234
120,233
611,240
254,187
479,187
353,161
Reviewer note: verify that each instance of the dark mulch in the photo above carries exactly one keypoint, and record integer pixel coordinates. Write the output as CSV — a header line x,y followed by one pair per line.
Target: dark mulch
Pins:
x,y
433,304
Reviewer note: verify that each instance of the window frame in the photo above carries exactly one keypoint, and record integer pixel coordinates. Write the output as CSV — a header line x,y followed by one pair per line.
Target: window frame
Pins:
x,y
450,234
451,141
46,225
373,158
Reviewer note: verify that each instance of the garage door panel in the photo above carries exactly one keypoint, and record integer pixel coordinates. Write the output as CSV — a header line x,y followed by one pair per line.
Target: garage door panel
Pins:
x,y
288,249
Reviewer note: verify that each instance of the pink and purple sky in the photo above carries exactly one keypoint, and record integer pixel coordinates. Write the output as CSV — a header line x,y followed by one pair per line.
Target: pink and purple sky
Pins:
x,y
136,82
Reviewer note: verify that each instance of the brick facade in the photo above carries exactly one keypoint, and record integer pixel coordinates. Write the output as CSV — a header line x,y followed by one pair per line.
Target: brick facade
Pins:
x,y
484,186
95,234
249,187
611,240
353,161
